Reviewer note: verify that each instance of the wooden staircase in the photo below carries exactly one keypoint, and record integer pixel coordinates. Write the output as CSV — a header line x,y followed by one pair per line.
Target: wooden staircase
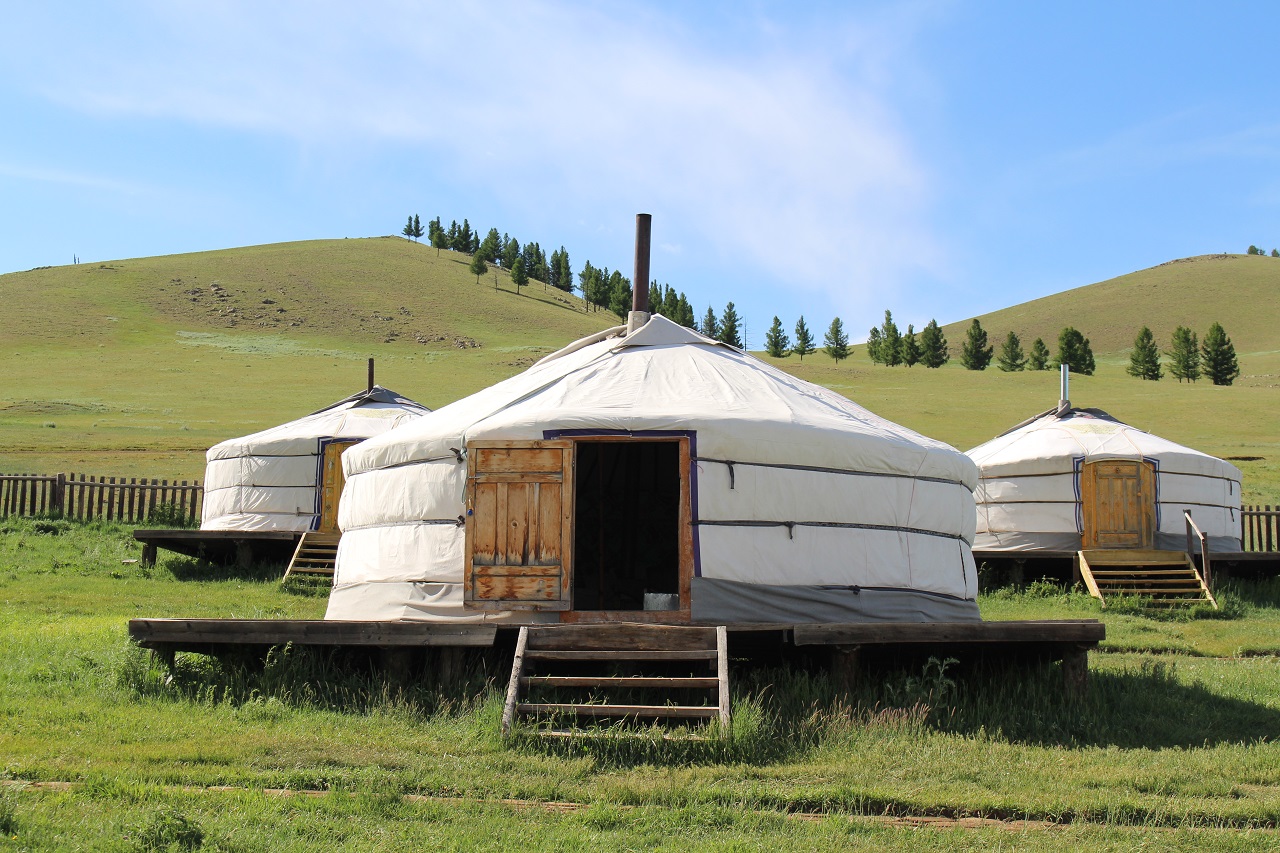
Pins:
x,y
1167,578
541,648
316,554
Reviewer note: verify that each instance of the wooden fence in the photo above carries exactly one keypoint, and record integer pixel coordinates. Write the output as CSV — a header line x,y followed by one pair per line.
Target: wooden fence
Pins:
x,y
1260,528
84,497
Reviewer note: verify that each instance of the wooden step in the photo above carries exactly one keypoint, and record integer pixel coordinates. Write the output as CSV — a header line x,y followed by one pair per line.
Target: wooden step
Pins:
x,y
1175,581
606,645
316,554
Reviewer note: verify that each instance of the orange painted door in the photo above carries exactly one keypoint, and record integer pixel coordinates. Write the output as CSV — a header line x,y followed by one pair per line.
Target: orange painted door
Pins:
x,y
519,525
331,482
1118,503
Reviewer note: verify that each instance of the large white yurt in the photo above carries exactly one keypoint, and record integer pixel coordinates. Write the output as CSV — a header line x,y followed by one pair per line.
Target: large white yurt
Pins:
x,y
661,475
289,477
1073,479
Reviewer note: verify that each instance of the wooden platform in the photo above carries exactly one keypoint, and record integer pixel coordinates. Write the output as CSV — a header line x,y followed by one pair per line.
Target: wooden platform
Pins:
x,y
241,547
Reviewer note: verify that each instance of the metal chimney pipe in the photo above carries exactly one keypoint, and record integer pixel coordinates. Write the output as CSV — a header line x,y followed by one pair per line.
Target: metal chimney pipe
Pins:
x,y
640,280
370,374
1064,402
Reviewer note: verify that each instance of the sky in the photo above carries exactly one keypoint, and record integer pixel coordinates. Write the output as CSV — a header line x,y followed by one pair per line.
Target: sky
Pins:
x,y
939,159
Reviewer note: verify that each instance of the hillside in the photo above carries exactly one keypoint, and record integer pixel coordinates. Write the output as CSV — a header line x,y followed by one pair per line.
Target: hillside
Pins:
x,y
1238,291
137,366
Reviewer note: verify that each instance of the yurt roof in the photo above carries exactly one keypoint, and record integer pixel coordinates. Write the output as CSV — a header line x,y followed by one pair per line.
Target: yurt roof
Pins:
x,y
364,414
664,377
1047,442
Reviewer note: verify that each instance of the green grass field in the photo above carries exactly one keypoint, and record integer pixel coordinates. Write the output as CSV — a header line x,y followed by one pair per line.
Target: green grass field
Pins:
x,y
136,367
1174,746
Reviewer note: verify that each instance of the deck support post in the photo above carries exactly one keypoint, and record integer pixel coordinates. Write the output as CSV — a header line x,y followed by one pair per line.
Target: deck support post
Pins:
x,y
244,554
845,666
396,663
1075,672
1018,573
148,554
450,662
165,655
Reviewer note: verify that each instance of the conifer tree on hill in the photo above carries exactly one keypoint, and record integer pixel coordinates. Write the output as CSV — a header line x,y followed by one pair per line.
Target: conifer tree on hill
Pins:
x,y
1039,356
891,342
710,325
439,239
730,327
976,353
776,342
518,276
1144,361
933,346
835,341
1011,357
804,340
1218,356
1184,357
1074,351
478,266
911,347
875,345
408,228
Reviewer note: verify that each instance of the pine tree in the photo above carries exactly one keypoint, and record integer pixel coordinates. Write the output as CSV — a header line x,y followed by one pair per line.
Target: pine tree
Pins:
x,y
804,340
776,342
1275,253
685,317
731,327
1144,361
875,346
933,346
835,341
408,228
1253,250
976,353
491,247
1184,358
911,347
417,228
436,235
891,344
518,276
710,325
510,252
1011,358
619,294
465,237
1074,351
564,278
1039,357
478,266
1218,356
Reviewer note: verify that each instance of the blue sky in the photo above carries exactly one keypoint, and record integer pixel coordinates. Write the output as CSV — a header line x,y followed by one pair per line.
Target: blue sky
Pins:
x,y
940,159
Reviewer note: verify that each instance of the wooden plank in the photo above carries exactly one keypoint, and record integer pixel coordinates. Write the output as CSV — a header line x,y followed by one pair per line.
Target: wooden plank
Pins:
x,y
503,592
881,633
513,685
322,632
722,674
682,711
629,636
515,551
556,655
689,682
526,457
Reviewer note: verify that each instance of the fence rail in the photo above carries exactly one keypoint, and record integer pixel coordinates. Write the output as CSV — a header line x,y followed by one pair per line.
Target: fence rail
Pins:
x,y
85,497
1260,528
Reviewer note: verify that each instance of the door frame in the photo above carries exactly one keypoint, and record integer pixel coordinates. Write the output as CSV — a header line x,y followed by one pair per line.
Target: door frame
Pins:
x,y
1148,502
325,445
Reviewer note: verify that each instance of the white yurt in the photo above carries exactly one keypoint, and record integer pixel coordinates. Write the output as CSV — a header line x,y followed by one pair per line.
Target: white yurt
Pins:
x,y
278,479
655,475
1072,479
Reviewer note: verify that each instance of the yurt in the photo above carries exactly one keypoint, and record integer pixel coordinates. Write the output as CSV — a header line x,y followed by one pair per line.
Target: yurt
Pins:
x,y
1072,479
655,475
289,477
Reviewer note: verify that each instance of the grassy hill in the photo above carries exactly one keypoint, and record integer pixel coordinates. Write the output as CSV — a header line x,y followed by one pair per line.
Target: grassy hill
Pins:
x,y
1238,291
136,367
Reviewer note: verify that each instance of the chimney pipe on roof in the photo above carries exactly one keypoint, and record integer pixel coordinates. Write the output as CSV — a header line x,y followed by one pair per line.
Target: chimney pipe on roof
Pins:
x,y
370,374
640,280
1064,404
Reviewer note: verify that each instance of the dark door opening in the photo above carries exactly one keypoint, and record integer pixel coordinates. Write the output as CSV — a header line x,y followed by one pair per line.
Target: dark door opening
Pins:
x,y
626,540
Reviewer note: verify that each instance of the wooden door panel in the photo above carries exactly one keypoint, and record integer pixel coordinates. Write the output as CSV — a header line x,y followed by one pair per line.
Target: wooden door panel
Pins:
x,y
330,486
519,502
1118,504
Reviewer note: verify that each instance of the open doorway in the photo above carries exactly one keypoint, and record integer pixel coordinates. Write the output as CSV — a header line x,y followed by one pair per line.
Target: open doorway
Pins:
x,y
627,541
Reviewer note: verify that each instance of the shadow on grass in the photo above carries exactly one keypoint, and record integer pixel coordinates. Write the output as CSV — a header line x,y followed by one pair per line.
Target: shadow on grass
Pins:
x,y
194,569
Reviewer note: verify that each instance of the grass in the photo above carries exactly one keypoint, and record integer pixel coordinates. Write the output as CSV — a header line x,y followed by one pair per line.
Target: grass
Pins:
x,y
136,367
1173,746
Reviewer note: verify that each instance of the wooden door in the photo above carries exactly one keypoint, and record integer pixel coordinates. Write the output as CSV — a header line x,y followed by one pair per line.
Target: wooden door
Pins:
x,y
1118,504
519,525
331,482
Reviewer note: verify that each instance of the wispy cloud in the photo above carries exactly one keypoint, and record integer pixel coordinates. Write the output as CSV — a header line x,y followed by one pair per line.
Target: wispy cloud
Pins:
x,y
779,149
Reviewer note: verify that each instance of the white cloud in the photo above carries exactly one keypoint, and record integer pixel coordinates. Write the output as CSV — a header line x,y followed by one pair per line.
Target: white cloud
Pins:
x,y
780,153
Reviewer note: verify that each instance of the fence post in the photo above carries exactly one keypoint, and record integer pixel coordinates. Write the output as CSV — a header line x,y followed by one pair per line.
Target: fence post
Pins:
x,y
60,495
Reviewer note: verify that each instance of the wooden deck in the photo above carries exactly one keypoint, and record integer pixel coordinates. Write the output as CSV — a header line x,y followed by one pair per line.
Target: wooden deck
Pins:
x,y
242,547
